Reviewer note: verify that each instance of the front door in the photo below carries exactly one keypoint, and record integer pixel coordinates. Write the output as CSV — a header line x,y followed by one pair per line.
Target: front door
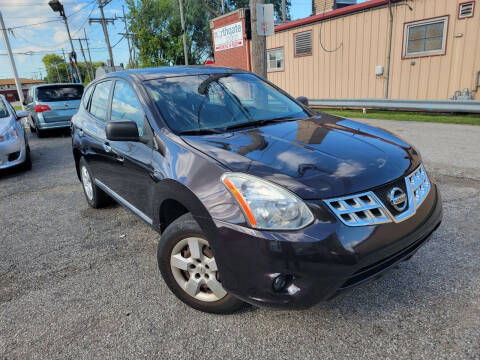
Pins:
x,y
131,178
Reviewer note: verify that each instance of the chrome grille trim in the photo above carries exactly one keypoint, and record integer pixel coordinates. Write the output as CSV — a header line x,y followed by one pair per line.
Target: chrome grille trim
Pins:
x,y
367,209
359,209
419,184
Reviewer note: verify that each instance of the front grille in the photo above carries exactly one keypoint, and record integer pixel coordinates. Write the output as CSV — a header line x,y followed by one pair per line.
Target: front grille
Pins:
x,y
374,207
359,210
419,184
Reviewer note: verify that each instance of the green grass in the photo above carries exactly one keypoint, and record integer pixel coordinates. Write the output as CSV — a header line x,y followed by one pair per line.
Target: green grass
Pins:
x,y
469,119
17,108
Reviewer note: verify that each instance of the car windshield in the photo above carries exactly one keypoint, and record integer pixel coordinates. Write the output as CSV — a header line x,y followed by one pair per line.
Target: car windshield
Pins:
x,y
220,102
59,93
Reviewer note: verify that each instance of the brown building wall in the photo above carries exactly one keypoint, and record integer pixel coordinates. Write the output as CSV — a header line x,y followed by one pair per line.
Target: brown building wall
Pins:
x,y
319,6
238,57
362,42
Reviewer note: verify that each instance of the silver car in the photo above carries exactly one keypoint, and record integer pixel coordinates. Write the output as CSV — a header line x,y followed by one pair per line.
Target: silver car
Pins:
x,y
51,106
14,149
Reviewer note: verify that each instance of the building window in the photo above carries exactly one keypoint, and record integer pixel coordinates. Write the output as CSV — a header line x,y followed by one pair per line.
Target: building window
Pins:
x,y
303,43
275,60
465,10
425,38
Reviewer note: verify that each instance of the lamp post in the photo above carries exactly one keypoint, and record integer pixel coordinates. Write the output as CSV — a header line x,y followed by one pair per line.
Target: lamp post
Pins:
x,y
57,6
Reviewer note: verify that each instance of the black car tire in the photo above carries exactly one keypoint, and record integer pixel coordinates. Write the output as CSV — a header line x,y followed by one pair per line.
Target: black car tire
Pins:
x,y
182,228
27,165
40,133
98,198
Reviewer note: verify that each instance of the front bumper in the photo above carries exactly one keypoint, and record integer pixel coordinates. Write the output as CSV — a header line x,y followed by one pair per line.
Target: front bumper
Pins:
x,y
319,261
12,153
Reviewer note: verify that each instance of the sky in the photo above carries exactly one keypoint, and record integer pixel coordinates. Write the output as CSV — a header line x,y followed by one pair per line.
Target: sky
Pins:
x,y
29,36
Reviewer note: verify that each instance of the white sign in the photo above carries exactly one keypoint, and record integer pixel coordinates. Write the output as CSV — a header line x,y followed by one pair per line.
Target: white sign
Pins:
x,y
228,37
265,19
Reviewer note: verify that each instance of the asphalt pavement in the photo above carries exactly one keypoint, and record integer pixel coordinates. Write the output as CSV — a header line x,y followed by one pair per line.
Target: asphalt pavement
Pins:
x,y
82,283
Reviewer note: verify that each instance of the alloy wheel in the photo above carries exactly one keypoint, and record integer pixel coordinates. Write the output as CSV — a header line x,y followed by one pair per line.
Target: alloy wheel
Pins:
x,y
87,183
195,270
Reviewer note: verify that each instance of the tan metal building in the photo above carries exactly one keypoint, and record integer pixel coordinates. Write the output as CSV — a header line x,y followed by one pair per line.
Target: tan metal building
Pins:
x,y
344,53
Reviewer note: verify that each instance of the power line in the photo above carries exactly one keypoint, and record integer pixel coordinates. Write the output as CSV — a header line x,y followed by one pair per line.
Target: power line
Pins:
x,y
48,21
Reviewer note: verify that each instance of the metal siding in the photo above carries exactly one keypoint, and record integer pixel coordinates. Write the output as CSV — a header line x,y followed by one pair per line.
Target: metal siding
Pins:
x,y
350,71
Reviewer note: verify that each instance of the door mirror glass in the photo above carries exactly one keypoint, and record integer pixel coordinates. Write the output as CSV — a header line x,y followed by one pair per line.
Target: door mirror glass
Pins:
x,y
122,130
303,100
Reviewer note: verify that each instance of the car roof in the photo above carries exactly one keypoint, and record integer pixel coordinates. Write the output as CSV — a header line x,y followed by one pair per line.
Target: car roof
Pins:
x,y
171,71
56,84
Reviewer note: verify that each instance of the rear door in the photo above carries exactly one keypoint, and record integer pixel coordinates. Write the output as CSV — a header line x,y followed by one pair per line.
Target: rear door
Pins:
x,y
63,101
93,132
131,161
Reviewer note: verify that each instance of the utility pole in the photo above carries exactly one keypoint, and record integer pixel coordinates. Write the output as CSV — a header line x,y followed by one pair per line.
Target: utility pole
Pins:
x,y
104,21
84,59
67,67
12,61
58,73
284,10
185,51
128,37
57,6
259,49
89,56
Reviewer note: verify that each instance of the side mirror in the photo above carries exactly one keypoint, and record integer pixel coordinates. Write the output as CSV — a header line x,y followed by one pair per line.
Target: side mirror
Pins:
x,y
21,114
122,130
303,100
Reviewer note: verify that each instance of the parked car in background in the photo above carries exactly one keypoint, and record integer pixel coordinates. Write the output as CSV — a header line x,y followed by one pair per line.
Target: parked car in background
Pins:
x,y
257,197
14,149
51,106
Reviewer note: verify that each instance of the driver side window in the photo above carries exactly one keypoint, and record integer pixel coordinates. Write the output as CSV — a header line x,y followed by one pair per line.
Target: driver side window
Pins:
x,y
125,106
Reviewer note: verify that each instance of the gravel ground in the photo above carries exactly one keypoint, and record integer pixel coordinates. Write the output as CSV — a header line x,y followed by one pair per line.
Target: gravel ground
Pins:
x,y
83,283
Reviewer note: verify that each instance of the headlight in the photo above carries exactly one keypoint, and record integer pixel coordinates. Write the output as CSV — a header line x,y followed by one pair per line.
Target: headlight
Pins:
x,y
10,134
266,205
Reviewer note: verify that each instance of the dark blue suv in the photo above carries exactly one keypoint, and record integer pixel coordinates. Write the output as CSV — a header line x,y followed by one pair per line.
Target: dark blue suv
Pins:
x,y
257,198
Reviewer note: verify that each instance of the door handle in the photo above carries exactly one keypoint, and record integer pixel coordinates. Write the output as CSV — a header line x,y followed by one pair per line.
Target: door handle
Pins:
x,y
107,147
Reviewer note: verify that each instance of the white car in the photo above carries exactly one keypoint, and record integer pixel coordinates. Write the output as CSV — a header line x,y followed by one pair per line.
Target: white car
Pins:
x,y
14,149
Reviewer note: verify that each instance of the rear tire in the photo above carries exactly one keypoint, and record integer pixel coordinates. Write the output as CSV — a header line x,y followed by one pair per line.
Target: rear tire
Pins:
x,y
189,268
95,196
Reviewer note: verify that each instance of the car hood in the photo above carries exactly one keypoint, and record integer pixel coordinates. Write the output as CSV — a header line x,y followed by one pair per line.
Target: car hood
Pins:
x,y
319,157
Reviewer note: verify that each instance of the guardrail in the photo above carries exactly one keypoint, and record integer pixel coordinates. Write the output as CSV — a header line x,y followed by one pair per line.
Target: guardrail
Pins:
x,y
455,106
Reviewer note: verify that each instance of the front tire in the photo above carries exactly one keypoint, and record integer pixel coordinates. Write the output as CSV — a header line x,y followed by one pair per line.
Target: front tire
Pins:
x,y
27,165
95,196
189,268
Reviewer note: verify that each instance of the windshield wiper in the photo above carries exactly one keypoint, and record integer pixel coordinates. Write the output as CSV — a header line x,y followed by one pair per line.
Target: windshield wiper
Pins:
x,y
260,122
199,132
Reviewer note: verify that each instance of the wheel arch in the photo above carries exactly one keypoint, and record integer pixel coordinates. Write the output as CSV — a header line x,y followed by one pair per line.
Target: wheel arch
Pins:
x,y
172,200
76,156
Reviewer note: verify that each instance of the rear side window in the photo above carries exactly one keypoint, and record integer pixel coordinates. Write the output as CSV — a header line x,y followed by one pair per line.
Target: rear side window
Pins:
x,y
99,102
86,96
125,105
59,93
